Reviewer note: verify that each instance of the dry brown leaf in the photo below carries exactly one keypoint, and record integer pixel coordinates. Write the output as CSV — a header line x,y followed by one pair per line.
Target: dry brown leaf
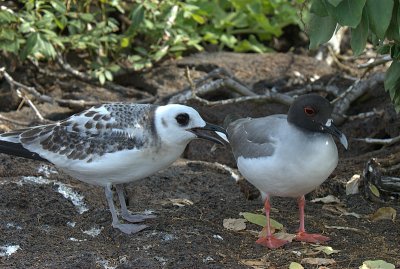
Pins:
x,y
353,184
384,213
318,261
285,236
181,202
326,249
330,199
4,128
343,228
340,210
261,263
263,232
234,224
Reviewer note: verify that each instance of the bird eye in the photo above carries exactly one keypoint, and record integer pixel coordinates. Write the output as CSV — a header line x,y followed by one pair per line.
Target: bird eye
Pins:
x,y
182,119
310,111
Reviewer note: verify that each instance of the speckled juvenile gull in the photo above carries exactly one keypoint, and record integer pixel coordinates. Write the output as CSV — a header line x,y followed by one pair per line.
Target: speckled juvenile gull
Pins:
x,y
112,144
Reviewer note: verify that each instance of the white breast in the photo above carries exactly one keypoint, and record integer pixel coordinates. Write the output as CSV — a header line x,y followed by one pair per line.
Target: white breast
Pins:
x,y
300,163
119,167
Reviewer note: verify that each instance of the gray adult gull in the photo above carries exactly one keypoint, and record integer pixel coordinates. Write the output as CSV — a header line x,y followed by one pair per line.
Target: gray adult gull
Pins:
x,y
287,155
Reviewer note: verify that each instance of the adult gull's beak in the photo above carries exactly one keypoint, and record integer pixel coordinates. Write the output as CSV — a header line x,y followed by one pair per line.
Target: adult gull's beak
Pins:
x,y
330,128
199,132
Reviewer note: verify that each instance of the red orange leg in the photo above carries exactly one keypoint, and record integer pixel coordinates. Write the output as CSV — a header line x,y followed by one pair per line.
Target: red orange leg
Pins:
x,y
269,240
302,235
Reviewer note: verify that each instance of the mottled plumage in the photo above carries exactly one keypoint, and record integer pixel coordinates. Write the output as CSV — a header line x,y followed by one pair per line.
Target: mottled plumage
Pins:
x,y
112,144
91,134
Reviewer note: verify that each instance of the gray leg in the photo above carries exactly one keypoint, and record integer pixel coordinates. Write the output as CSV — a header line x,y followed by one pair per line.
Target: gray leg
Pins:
x,y
124,210
125,228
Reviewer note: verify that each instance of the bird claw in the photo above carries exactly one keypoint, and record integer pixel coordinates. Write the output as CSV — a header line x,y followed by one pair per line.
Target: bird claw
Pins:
x,y
311,238
137,218
271,242
129,228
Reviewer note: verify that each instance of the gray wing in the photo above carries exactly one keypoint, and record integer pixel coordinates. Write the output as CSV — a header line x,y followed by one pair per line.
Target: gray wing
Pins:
x,y
253,138
96,131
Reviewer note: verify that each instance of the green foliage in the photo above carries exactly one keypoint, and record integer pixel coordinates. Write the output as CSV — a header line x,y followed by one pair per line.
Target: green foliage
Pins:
x,y
136,34
376,20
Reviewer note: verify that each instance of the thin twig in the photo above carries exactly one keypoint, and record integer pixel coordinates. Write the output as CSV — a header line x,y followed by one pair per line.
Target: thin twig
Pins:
x,y
225,79
111,85
388,141
318,87
31,90
21,94
365,115
46,71
22,123
196,90
375,62
268,97
339,64
357,89
29,102
45,98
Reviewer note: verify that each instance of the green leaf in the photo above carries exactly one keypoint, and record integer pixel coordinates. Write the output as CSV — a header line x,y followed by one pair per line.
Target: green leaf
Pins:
x,y
359,35
30,45
7,17
261,220
318,8
228,40
58,6
373,188
395,52
124,42
60,24
11,46
199,19
295,265
392,85
348,12
48,49
137,17
385,49
7,34
379,14
320,29
87,17
108,75
102,78
134,58
160,53
250,45
393,31
377,264
334,3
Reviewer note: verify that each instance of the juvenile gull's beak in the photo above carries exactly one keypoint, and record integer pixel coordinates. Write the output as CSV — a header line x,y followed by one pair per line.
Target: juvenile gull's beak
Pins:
x,y
198,131
330,128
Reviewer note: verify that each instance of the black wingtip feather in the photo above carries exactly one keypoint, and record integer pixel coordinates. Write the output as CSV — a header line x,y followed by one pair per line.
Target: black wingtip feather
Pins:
x,y
19,151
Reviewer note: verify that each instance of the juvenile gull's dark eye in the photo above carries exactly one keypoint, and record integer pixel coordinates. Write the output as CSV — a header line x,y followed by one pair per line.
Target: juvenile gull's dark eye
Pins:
x,y
182,119
310,111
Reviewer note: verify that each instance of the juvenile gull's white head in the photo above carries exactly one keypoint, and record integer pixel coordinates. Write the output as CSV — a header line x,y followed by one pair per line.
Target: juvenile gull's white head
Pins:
x,y
179,124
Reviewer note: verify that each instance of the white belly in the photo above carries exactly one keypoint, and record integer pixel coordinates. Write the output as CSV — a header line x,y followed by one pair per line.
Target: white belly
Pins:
x,y
119,167
301,170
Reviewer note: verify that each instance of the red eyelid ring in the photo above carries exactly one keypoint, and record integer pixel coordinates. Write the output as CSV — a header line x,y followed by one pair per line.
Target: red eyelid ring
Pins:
x,y
309,111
